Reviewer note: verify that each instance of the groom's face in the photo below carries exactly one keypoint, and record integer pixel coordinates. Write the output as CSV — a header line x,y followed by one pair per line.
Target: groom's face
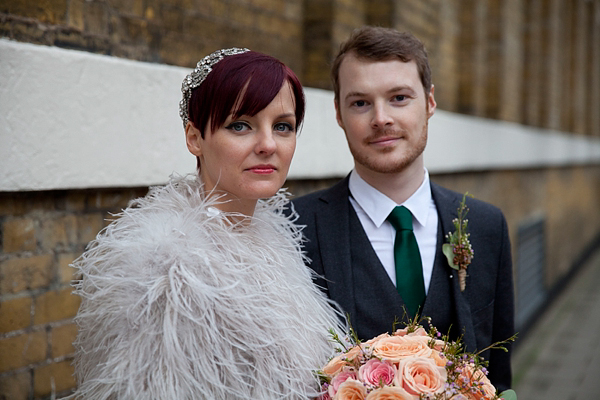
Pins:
x,y
384,111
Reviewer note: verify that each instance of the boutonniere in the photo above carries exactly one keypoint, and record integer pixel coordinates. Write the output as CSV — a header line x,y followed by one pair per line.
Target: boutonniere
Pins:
x,y
458,250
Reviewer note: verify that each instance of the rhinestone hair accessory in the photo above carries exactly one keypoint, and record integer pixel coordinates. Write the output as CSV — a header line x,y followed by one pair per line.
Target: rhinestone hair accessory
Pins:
x,y
198,75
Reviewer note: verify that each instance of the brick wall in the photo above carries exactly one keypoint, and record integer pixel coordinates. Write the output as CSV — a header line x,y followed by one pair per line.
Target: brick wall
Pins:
x,y
525,61
165,31
41,233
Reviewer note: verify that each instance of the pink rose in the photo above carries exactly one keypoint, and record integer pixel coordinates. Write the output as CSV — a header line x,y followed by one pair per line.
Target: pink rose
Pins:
x,y
341,377
351,390
376,372
420,375
390,393
324,393
395,348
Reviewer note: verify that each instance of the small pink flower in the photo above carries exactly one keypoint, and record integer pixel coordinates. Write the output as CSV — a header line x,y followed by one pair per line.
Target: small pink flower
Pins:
x,y
375,372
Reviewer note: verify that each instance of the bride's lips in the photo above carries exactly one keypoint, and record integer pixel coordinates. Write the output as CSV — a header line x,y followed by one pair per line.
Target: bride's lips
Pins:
x,y
262,169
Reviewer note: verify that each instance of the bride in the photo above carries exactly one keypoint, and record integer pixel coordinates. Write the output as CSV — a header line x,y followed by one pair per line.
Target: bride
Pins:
x,y
199,289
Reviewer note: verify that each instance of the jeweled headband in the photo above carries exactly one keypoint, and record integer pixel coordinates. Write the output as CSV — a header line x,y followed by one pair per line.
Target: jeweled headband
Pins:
x,y
198,76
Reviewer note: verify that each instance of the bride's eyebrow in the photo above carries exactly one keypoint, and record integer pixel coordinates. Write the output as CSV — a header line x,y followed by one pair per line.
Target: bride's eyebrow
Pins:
x,y
286,115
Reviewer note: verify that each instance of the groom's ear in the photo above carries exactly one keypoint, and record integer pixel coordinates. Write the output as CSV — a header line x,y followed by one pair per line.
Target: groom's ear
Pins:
x,y
338,116
431,104
193,139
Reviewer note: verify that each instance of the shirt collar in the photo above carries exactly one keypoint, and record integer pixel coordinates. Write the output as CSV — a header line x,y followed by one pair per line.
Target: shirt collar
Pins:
x,y
378,206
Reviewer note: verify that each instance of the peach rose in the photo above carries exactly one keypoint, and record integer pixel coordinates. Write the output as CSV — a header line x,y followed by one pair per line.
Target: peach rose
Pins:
x,y
351,390
336,364
439,345
341,377
390,393
375,372
420,331
421,375
395,348
481,387
370,342
439,358
342,360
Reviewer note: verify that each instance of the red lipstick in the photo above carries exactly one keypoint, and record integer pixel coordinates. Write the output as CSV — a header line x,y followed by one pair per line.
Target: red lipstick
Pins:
x,y
262,169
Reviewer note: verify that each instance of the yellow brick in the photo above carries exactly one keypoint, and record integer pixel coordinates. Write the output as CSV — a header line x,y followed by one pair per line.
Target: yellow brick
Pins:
x,y
75,199
56,377
75,14
88,226
62,340
15,314
46,11
55,306
10,205
15,386
22,350
19,235
59,232
111,199
66,273
25,273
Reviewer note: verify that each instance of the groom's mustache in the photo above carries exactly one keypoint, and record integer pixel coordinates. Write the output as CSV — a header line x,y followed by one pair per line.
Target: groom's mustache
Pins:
x,y
388,133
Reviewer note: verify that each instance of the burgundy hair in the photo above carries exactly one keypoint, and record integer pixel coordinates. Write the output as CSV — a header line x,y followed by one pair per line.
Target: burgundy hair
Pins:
x,y
214,100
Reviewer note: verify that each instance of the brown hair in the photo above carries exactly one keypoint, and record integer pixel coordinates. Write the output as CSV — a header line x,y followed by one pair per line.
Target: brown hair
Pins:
x,y
383,44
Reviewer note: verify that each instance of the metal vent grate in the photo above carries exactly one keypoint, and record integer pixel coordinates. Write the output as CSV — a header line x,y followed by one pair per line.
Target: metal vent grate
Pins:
x,y
531,258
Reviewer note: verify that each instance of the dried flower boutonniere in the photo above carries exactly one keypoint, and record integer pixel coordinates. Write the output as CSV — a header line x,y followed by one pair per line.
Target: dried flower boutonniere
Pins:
x,y
458,250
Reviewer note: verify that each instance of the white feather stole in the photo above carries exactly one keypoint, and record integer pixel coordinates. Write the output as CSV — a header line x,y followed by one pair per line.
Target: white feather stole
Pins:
x,y
179,304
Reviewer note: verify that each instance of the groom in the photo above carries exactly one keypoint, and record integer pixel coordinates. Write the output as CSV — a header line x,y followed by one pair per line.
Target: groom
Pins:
x,y
383,101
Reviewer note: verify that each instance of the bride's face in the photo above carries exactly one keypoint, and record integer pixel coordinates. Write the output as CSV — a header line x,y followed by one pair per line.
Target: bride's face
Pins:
x,y
248,158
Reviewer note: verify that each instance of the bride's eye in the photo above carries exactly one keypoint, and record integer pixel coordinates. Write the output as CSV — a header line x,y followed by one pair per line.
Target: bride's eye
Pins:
x,y
238,126
283,127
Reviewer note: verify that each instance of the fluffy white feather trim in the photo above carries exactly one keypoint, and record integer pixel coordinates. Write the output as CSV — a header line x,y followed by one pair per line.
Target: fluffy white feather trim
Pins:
x,y
177,303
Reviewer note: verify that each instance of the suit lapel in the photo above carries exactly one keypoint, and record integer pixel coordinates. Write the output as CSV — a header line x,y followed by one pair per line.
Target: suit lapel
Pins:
x,y
337,233
333,231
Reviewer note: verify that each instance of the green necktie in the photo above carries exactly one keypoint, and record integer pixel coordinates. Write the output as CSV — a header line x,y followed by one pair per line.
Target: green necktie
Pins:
x,y
409,270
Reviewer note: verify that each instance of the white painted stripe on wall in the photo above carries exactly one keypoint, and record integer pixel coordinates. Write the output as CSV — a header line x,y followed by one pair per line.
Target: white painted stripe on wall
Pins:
x,y
72,119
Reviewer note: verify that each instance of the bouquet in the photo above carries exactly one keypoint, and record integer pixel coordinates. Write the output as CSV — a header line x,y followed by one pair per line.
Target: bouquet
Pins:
x,y
410,364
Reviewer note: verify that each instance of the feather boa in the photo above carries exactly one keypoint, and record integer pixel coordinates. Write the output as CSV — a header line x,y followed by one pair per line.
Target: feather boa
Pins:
x,y
177,303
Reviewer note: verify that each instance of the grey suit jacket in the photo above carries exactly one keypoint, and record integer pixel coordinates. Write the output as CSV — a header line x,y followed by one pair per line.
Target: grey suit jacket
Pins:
x,y
352,275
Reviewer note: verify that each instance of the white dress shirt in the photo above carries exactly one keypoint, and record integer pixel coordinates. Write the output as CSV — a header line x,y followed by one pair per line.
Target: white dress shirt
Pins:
x,y
373,208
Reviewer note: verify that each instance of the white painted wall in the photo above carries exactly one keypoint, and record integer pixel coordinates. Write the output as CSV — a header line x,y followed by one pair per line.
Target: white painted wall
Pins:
x,y
72,119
